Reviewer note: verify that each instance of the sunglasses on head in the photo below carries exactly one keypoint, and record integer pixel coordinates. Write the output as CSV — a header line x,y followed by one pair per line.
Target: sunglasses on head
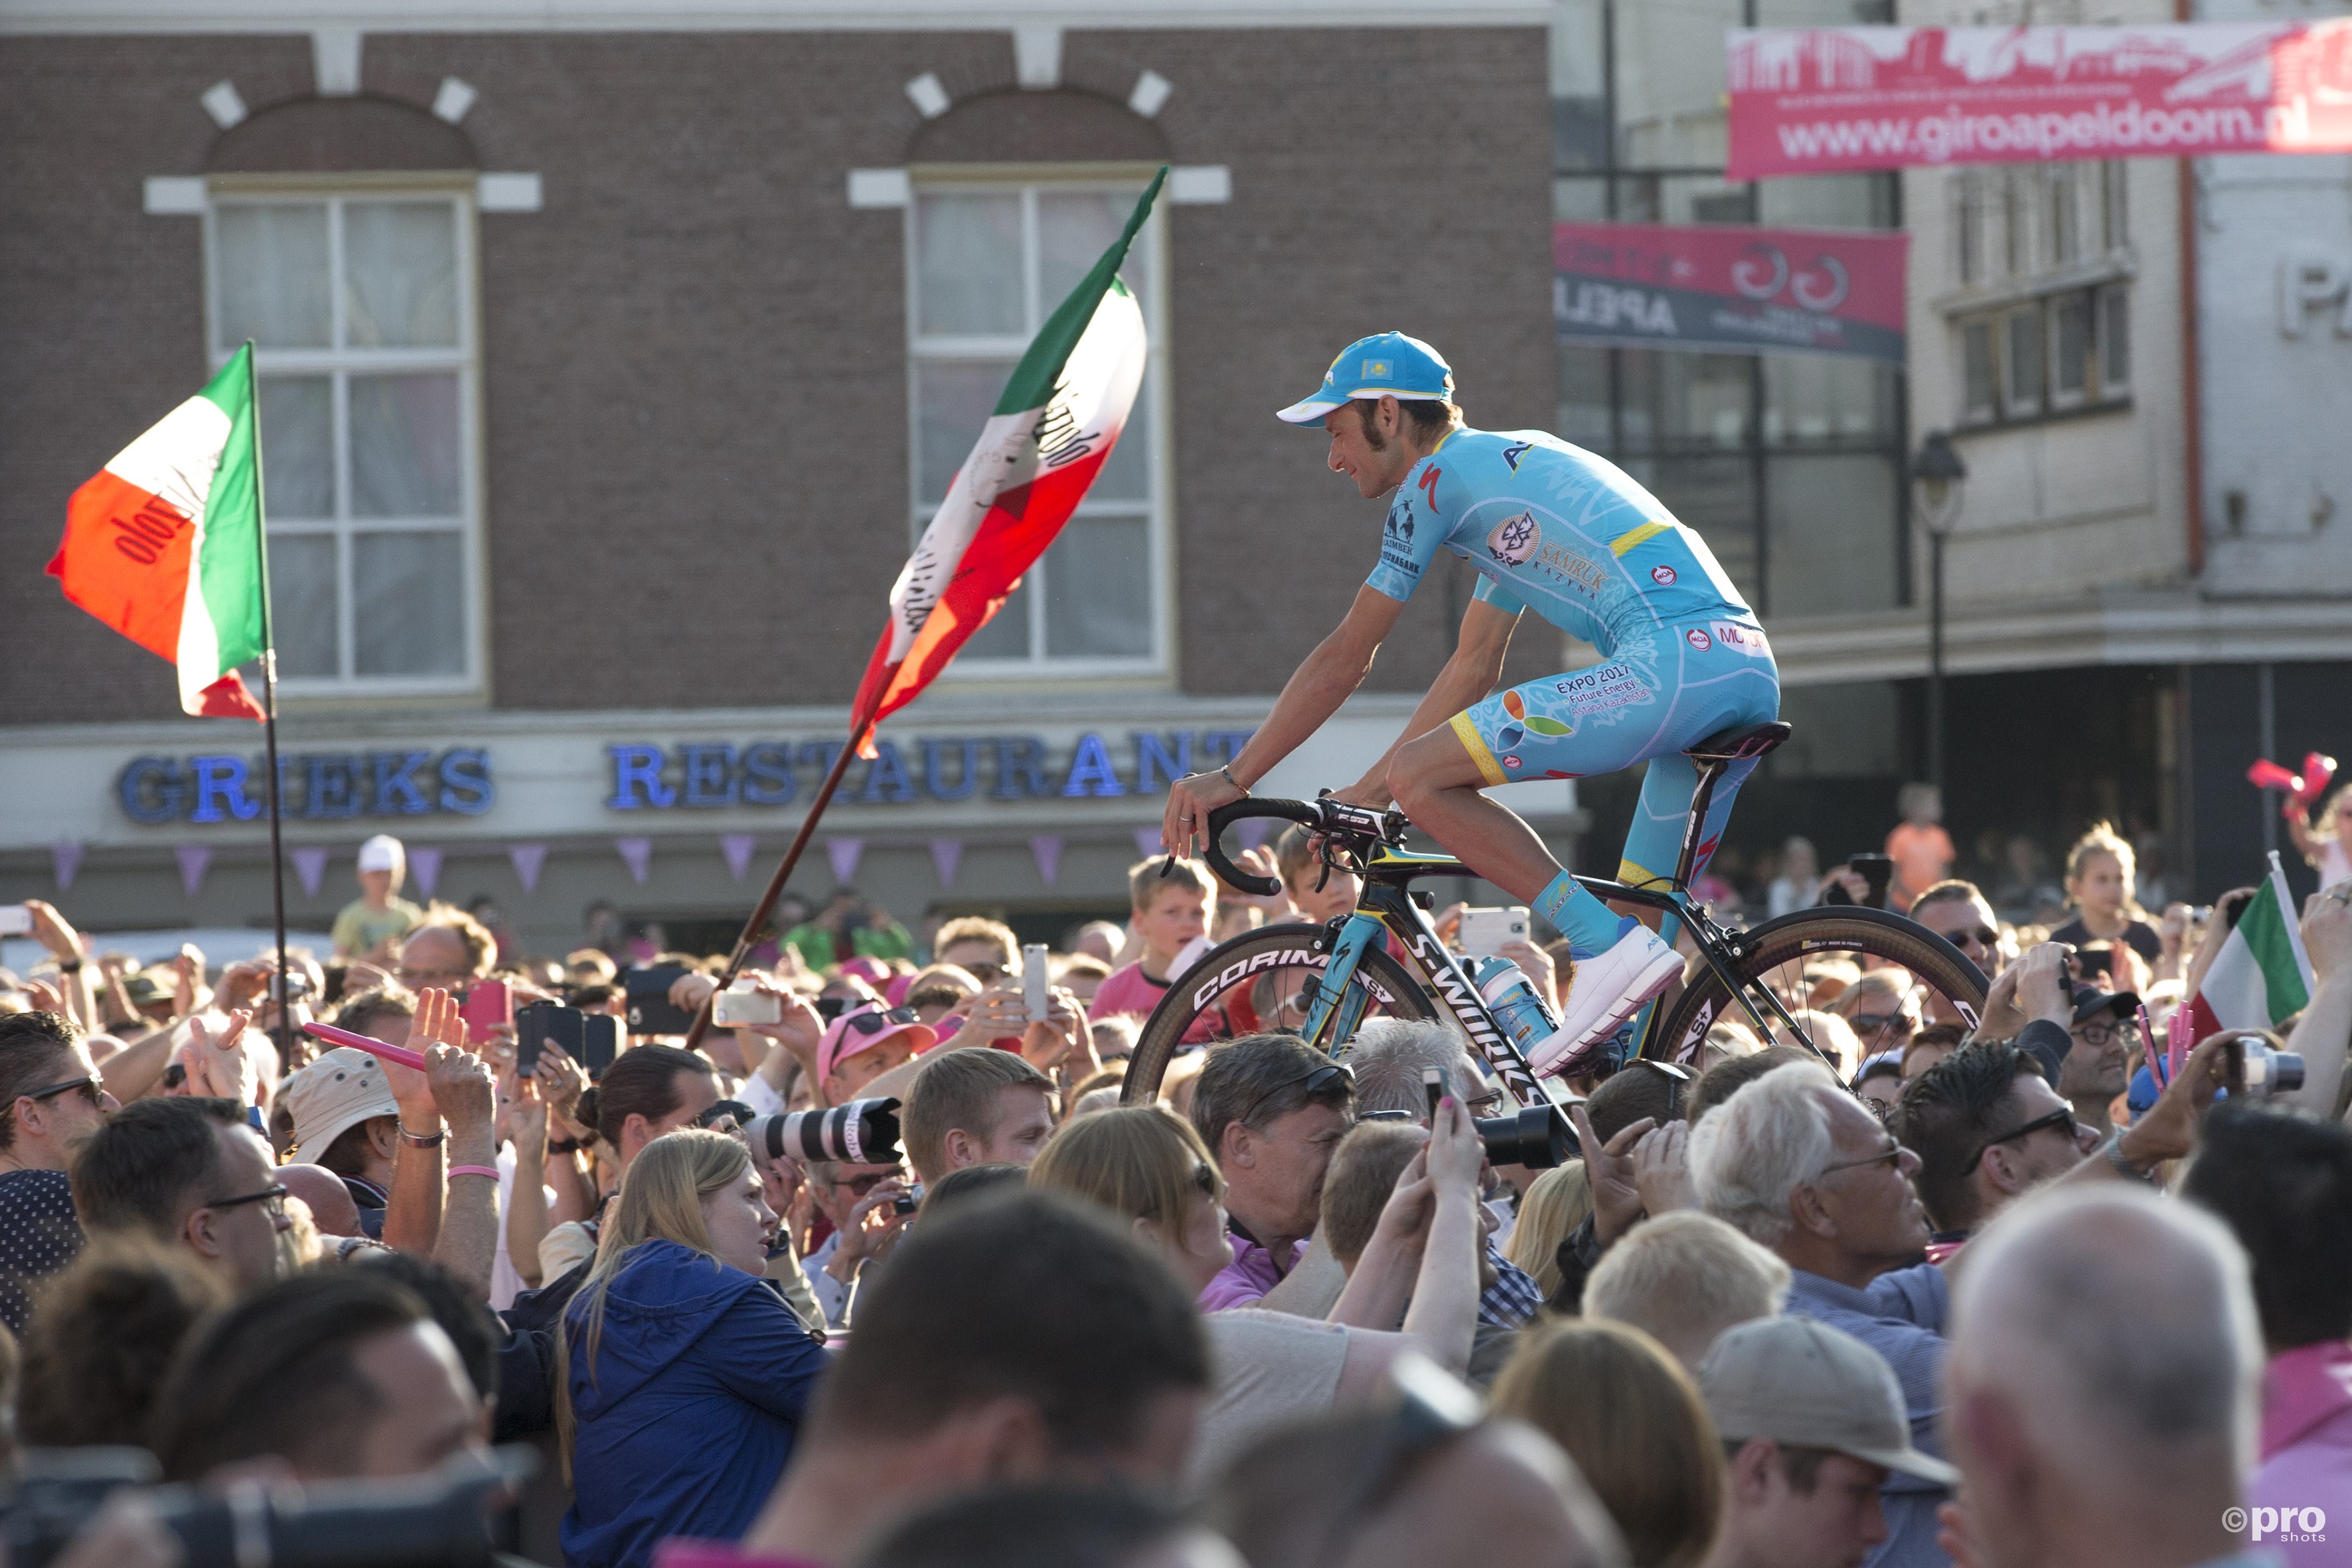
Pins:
x,y
879,1022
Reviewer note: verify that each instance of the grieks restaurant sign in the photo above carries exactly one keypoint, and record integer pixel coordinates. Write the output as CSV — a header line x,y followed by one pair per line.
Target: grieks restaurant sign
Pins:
x,y
1816,101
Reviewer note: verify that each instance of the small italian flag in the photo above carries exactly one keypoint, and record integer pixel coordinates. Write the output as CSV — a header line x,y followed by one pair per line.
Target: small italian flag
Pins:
x,y
2261,975
165,544
1052,431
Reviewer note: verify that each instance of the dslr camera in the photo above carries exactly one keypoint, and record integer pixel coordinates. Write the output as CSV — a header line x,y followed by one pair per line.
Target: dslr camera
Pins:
x,y
436,1520
854,1133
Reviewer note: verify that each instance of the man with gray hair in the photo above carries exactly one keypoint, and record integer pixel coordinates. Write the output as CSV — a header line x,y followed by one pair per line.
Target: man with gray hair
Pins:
x,y
1683,1279
1801,1167
2102,1386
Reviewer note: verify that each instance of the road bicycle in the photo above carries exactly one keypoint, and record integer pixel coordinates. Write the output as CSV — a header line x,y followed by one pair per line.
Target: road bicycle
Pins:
x,y
1386,960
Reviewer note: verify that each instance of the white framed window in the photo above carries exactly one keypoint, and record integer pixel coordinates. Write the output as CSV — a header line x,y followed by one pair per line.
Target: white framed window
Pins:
x,y
987,261
360,305
1979,393
2115,341
2073,373
2022,353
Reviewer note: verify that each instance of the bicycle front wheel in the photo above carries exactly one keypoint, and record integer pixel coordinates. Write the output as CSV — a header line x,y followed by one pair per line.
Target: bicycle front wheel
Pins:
x,y
1258,984
1784,956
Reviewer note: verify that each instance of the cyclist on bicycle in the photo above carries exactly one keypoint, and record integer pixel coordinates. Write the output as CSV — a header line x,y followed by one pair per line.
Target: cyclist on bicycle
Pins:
x,y
1554,529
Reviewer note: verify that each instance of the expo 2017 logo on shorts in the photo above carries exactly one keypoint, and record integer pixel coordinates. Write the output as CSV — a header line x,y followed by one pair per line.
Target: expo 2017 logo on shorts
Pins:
x,y
1698,639
1663,576
1515,540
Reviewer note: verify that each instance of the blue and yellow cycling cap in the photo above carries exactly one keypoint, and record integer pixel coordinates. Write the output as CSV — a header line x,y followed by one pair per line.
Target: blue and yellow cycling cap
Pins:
x,y
1385,364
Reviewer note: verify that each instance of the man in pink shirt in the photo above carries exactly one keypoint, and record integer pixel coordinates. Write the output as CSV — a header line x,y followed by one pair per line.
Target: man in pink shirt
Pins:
x,y
1170,912
1272,1108
2283,1184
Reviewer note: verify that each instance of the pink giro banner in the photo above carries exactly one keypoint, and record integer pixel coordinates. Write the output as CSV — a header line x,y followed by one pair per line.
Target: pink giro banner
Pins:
x,y
1729,288
1814,100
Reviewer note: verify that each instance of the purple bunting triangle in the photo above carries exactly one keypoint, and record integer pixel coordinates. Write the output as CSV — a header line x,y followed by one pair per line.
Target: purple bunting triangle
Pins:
x,y
309,864
946,854
843,854
425,865
737,848
1047,848
193,858
64,859
1253,831
527,859
637,855
1147,842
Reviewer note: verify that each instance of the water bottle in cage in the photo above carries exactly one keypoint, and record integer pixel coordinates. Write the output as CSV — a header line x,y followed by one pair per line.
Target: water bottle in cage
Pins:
x,y
1517,1006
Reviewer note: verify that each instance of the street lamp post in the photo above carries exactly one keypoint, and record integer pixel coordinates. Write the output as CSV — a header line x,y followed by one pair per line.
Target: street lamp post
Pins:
x,y
1939,477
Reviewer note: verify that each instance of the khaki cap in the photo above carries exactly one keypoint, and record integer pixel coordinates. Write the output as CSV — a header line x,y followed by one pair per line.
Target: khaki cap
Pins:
x,y
1795,1381
335,1093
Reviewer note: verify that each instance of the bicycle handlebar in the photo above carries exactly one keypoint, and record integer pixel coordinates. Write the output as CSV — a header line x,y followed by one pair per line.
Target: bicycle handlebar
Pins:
x,y
1324,816
1243,810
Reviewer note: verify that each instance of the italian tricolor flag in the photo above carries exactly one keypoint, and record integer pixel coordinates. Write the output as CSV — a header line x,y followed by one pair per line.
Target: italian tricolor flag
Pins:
x,y
2261,975
1052,431
165,544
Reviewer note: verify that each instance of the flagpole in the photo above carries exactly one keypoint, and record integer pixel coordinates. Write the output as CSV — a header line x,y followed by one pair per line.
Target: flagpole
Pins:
x,y
270,726
784,869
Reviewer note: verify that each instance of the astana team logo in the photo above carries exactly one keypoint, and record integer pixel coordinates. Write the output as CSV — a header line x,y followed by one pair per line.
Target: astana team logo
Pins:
x,y
1515,539
1525,723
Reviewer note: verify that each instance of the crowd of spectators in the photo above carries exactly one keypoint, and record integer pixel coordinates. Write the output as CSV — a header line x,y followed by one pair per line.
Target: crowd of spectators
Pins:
x,y
1948,1288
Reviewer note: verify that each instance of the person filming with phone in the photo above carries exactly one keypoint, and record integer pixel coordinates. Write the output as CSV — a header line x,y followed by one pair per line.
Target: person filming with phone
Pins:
x,y
1555,528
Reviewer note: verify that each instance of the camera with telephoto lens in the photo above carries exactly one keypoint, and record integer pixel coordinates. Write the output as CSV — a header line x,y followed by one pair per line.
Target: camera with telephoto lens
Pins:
x,y
2258,1070
1537,1137
441,1520
854,1133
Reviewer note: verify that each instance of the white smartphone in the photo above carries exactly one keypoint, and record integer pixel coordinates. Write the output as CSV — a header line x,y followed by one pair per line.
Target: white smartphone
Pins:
x,y
1486,930
1034,981
741,1005
15,919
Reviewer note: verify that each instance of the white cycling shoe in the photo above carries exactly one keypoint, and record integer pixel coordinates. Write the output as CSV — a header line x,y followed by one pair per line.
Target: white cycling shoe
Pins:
x,y
1601,993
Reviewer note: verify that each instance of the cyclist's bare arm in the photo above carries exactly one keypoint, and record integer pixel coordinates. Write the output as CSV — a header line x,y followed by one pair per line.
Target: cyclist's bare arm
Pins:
x,y
1314,692
1468,676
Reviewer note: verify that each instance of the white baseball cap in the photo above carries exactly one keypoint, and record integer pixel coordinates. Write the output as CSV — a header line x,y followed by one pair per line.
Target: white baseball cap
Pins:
x,y
382,852
335,1093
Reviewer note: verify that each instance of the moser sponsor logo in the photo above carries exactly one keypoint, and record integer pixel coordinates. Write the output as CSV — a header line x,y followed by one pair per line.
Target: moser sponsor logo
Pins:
x,y
1745,639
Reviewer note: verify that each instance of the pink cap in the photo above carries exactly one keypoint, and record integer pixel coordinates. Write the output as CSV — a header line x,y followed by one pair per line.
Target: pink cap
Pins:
x,y
872,971
896,992
862,1028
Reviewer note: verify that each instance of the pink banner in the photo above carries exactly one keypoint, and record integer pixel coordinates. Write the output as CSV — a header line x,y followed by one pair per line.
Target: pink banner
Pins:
x,y
310,864
527,860
637,855
1729,288
424,867
1810,100
946,854
737,848
64,859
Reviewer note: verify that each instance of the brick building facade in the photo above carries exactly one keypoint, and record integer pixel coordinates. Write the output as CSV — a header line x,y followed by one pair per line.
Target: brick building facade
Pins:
x,y
624,461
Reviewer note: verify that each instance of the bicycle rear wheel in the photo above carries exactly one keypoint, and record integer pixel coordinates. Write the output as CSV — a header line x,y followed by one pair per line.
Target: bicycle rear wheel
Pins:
x,y
1944,986
1253,985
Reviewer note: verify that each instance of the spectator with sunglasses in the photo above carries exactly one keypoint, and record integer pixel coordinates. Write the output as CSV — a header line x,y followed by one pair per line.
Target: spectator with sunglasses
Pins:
x,y
1960,913
1270,1109
191,1172
56,1104
1988,1129
860,1204
866,1042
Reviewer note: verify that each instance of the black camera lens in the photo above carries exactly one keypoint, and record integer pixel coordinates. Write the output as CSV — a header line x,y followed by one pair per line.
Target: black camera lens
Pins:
x,y
1537,1137
856,1132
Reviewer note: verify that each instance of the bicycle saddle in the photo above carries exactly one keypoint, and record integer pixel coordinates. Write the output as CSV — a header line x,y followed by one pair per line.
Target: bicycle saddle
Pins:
x,y
1739,743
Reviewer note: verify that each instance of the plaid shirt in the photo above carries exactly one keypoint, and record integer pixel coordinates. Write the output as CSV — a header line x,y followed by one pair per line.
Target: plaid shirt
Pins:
x,y
1514,1298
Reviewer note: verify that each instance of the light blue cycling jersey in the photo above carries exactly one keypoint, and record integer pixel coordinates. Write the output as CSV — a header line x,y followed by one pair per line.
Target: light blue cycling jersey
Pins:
x,y
1553,528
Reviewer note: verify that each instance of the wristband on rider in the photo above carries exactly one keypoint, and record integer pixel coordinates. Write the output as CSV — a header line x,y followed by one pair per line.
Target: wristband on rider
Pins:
x,y
1228,773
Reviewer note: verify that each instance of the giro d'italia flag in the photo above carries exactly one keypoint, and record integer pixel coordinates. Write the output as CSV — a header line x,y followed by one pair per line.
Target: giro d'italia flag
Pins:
x,y
2261,975
1053,429
165,544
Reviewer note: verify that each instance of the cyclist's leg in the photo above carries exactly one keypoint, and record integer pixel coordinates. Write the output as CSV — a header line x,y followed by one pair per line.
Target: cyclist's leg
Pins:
x,y
1596,721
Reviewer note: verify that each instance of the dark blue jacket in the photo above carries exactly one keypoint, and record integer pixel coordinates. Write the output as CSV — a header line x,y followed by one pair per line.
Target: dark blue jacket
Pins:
x,y
701,1375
